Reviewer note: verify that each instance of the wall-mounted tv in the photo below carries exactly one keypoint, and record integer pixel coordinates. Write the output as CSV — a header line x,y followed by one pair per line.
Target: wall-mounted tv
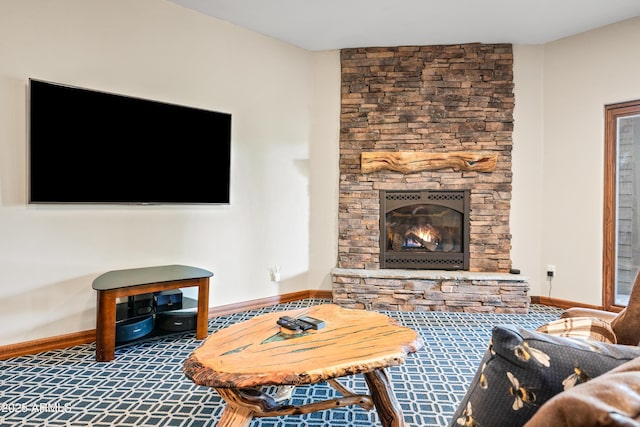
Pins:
x,y
87,146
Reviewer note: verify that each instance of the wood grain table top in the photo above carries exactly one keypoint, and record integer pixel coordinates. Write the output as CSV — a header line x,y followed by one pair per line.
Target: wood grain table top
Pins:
x,y
257,352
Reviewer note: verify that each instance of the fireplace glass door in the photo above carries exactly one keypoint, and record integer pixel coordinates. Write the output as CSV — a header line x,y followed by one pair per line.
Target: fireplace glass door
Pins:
x,y
425,230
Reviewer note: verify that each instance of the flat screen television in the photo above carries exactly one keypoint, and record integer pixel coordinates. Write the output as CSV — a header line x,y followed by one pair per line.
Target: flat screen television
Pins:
x,y
87,146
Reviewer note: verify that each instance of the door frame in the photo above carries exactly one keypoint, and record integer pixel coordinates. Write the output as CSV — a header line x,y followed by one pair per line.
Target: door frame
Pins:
x,y
612,113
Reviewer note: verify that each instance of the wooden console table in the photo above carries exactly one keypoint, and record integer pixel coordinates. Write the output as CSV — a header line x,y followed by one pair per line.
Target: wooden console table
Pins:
x,y
136,281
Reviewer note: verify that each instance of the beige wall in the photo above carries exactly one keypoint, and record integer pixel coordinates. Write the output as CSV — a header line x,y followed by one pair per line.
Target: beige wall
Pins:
x,y
528,149
285,106
324,168
558,186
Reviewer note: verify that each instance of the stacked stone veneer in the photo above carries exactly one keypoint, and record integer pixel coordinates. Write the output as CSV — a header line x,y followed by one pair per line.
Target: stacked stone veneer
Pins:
x,y
421,290
427,99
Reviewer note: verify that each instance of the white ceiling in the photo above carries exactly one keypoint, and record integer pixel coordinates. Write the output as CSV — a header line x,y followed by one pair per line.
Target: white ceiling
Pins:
x,y
336,24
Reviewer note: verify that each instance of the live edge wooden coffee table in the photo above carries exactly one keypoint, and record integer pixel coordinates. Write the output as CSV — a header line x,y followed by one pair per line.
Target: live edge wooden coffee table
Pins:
x,y
237,361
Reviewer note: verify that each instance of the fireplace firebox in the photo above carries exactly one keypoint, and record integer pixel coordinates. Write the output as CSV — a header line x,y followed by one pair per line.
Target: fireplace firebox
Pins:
x,y
424,229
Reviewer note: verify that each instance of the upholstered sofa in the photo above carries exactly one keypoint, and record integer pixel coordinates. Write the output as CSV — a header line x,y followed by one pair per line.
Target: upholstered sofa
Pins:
x,y
581,370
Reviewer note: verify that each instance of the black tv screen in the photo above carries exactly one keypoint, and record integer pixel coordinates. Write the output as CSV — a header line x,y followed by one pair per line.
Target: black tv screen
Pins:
x,y
87,146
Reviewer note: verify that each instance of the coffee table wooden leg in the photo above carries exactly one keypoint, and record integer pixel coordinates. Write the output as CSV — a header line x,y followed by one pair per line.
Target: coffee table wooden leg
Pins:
x,y
387,406
235,414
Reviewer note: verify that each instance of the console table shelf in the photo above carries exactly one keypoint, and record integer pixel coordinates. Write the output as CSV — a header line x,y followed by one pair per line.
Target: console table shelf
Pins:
x,y
122,310
125,283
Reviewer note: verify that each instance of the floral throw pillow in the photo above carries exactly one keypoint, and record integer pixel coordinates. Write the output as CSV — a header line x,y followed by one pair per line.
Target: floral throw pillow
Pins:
x,y
523,369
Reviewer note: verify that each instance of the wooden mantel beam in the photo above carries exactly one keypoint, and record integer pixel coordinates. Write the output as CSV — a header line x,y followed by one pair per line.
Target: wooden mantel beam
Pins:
x,y
417,161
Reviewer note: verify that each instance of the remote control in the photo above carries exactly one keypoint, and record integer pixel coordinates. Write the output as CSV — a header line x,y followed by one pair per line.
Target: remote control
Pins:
x,y
293,324
315,323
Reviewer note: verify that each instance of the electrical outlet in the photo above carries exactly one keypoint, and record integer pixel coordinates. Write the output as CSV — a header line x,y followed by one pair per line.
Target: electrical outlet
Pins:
x,y
274,273
551,270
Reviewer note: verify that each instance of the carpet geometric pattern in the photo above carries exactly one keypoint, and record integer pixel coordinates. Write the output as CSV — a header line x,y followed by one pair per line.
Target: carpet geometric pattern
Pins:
x,y
145,386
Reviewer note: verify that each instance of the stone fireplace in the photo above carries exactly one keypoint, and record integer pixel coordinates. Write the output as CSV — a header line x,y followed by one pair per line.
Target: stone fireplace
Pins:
x,y
422,120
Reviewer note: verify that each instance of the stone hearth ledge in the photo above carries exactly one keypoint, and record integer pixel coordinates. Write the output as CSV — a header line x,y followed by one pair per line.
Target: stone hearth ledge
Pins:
x,y
430,290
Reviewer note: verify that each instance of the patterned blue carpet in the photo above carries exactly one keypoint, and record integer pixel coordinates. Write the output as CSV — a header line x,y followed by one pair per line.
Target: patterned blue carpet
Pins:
x,y
145,386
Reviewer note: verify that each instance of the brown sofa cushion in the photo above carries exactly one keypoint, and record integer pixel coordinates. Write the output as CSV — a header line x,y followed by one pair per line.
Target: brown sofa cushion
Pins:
x,y
612,399
627,324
